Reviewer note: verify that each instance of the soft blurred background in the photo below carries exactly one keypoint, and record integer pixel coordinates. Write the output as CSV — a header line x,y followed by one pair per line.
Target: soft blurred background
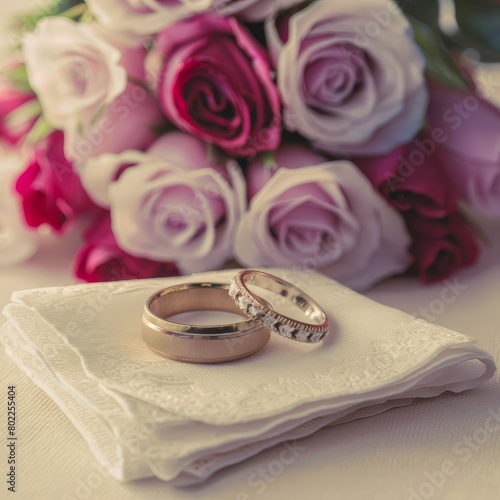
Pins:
x,y
460,23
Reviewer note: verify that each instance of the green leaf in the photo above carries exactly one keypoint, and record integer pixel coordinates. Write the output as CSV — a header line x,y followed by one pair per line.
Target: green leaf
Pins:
x,y
79,129
65,5
481,20
269,160
87,17
76,12
136,81
72,9
161,129
211,152
214,154
40,131
99,115
24,114
440,65
18,76
426,11
461,41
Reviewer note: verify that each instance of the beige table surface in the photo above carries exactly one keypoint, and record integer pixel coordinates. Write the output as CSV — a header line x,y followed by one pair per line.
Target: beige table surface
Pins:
x,y
384,457
431,449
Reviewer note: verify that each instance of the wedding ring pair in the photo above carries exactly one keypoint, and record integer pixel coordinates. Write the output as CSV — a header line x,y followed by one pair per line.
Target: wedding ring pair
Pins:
x,y
230,342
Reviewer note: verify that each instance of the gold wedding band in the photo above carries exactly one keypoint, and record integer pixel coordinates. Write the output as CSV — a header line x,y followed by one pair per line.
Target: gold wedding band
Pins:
x,y
315,325
199,344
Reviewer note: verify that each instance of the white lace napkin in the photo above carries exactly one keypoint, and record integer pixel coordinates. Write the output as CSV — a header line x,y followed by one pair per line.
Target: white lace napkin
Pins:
x,y
143,415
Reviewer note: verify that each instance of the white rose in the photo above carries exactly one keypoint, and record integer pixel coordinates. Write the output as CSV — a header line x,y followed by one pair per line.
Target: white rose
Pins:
x,y
149,17
175,204
97,174
73,70
80,75
17,242
141,17
248,10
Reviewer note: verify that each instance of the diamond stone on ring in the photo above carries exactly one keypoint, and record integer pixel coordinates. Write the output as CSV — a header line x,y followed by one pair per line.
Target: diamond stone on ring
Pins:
x,y
315,325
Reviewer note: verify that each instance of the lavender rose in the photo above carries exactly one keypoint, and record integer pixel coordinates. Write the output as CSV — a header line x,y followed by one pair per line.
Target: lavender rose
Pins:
x,y
470,146
350,75
313,213
177,204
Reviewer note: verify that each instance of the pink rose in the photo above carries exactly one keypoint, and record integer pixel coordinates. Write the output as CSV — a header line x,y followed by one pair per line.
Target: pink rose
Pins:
x,y
17,115
175,203
213,81
129,122
50,188
101,259
311,212
470,146
351,76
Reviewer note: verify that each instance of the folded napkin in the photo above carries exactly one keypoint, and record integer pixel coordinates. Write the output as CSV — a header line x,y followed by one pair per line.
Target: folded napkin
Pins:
x,y
144,415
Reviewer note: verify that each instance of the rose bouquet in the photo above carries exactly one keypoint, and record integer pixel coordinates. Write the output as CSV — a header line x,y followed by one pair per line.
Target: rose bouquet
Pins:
x,y
183,135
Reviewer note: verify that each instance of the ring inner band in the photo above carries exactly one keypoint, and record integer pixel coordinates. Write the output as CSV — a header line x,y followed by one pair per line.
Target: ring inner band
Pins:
x,y
286,290
195,297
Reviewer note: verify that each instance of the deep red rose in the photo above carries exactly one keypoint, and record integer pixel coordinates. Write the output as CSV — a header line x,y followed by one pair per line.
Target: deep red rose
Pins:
x,y
101,259
414,180
442,247
214,81
50,187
